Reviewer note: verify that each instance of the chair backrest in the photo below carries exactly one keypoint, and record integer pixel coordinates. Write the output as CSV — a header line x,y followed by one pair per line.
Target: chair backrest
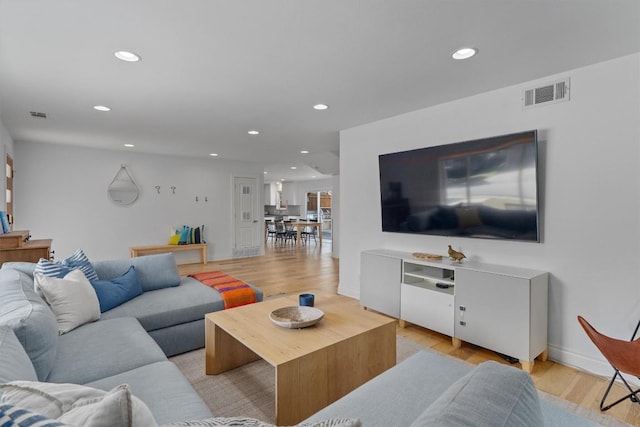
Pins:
x,y
623,355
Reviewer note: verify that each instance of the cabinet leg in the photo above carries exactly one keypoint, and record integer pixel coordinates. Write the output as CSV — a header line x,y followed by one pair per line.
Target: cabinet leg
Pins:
x,y
527,365
402,323
544,355
456,342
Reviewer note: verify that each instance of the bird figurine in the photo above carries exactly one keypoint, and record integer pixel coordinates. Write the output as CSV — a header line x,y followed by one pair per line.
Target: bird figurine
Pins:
x,y
455,255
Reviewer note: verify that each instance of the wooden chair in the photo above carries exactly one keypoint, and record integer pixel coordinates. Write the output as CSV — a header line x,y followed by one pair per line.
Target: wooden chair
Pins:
x,y
624,357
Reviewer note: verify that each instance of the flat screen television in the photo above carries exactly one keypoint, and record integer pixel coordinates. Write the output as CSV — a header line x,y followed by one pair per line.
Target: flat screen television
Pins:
x,y
485,188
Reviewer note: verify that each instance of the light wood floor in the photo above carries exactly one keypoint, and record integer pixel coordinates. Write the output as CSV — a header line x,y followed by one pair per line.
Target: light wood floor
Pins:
x,y
284,269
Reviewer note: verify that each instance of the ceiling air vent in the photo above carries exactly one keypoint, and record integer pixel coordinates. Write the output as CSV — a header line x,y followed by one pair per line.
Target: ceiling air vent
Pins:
x,y
38,114
551,93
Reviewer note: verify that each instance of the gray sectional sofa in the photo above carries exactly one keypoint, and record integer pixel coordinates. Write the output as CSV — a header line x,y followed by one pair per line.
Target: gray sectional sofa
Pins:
x,y
82,369
129,344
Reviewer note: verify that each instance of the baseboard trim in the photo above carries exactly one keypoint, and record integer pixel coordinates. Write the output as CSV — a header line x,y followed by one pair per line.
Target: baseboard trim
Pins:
x,y
349,291
598,367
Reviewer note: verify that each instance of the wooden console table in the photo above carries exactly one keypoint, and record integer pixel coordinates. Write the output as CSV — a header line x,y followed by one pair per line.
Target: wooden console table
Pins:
x,y
136,251
16,246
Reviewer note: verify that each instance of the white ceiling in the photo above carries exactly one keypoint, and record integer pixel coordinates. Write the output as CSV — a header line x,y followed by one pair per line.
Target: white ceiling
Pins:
x,y
212,70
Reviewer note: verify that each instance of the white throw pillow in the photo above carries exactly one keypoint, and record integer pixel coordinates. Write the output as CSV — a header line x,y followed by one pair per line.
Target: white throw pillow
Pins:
x,y
72,299
78,405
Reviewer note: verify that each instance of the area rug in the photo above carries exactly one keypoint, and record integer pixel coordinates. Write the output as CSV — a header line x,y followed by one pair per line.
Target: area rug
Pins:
x,y
250,390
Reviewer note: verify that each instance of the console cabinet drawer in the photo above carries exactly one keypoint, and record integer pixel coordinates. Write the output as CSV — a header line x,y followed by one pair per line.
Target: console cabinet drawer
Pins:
x,y
425,307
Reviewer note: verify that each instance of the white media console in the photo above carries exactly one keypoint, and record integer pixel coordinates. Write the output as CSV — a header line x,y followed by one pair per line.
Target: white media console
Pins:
x,y
497,307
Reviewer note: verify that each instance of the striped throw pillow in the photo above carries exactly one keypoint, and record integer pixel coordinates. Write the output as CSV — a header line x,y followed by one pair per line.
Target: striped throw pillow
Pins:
x,y
12,416
77,261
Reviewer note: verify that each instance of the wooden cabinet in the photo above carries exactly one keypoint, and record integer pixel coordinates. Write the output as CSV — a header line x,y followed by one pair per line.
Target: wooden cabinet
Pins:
x,y
501,308
17,246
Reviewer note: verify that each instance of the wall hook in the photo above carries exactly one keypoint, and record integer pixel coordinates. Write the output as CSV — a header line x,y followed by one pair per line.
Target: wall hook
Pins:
x,y
158,189
173,188
206,199
196,198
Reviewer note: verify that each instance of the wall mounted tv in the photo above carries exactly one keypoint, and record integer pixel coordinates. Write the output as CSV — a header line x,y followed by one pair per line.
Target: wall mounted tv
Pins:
x,y
485,188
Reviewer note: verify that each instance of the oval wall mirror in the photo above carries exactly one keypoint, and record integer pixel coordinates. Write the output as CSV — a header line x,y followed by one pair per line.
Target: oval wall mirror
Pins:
x,y
123,189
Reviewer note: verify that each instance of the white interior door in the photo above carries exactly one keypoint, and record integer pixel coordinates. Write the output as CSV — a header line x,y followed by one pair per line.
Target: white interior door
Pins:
x,y
247,230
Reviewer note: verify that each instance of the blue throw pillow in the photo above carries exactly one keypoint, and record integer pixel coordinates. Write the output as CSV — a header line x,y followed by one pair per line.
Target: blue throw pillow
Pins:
x,y
191,235
77,261
185,235
112,293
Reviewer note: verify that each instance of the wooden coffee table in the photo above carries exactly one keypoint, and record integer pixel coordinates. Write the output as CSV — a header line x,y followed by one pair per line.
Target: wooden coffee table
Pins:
x,y
315,366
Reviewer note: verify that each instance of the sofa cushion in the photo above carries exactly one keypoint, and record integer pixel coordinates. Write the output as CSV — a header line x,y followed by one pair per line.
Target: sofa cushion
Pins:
x,y
172,399
25,267
170,306
490,395
77,261
33,323
79,405
16,364
72,299
112,293
102,349
154,271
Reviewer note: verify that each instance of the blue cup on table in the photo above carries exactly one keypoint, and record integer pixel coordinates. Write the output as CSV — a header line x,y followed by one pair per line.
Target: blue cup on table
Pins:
x,y
307,300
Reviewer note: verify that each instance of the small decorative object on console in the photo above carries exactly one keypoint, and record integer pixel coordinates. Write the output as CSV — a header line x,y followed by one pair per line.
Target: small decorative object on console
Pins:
x,y
455,255
296,317
422,255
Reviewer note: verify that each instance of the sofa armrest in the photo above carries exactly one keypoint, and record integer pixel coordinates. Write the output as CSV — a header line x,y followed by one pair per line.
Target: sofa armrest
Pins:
x,y
490,395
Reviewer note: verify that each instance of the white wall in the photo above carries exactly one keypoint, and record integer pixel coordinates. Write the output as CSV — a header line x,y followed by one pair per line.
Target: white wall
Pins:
x,y
61,193
590,198
335,215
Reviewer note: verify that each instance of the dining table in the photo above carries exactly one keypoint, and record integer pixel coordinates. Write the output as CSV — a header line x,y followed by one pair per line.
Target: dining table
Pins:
x,y
299,225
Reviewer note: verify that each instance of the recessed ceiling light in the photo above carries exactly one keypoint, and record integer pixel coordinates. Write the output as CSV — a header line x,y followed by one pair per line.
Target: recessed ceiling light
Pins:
x,y
253,132
282,179
101,108
464,53
129,145
304,152
126,56
320,107
293,168
265,172
213,154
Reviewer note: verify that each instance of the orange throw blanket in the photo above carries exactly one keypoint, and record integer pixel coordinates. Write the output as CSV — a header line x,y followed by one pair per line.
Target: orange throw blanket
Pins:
x,y
234,292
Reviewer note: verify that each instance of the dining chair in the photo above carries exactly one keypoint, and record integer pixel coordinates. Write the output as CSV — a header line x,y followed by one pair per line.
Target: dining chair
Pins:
x,y
271,231
281,232
290,232
307,233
